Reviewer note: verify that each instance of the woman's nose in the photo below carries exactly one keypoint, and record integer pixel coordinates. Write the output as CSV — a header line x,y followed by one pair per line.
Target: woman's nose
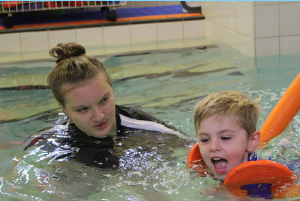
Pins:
x,y
98,114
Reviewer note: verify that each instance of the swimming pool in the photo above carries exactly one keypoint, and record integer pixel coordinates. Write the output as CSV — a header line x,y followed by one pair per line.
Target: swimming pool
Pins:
x,y
166,84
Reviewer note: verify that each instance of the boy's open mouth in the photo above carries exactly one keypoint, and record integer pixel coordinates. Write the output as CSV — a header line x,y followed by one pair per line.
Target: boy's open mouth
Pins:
x,y
220,164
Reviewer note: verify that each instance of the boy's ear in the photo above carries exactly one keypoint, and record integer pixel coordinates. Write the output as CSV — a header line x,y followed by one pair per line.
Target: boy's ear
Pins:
x,y
253,141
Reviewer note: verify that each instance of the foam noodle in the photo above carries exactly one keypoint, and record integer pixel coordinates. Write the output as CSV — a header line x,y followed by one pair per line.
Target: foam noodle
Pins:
x,y
283,112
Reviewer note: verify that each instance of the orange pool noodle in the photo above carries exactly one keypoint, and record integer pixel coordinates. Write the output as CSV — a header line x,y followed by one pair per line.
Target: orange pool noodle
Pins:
x,y
283,112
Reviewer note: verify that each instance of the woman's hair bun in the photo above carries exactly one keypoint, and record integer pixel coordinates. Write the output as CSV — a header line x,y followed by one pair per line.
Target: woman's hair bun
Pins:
x,y
67,50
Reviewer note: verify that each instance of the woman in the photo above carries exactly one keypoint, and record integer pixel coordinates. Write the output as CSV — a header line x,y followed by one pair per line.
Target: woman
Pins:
x,y
84,91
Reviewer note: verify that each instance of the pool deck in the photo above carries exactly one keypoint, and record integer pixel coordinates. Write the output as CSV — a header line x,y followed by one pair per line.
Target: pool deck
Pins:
x,y
47,20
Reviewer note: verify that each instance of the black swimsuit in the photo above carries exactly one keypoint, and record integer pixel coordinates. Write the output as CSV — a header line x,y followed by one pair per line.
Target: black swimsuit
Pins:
x,y
69,143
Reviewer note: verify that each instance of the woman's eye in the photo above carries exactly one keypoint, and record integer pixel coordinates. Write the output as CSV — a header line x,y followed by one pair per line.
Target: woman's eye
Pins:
x,y
104,100
82,109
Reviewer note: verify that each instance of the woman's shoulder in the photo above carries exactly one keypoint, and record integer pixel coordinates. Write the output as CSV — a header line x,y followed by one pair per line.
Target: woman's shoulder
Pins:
x,y
135,119
135,113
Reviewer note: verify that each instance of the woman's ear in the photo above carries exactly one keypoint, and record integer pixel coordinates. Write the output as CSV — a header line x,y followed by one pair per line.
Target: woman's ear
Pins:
x,y
253,141
62,108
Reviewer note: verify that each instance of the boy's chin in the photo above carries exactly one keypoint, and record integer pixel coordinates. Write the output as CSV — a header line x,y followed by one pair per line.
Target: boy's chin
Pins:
x,y
220,177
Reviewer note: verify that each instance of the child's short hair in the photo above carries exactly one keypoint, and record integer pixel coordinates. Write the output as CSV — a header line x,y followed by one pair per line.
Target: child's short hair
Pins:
x,y
229,103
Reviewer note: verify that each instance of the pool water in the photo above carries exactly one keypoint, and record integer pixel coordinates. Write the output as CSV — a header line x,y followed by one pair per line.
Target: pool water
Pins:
x,y
165,84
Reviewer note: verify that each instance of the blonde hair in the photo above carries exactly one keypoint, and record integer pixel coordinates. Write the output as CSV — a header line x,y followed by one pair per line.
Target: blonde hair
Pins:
x,y
226,103
73,67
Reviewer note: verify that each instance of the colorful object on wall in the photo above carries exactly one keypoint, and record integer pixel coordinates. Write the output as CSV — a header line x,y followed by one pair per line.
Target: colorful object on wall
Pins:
x,y
10,8
54,4
10,4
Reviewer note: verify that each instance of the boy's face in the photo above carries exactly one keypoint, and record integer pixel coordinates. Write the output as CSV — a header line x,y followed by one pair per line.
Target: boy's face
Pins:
x,y
223,143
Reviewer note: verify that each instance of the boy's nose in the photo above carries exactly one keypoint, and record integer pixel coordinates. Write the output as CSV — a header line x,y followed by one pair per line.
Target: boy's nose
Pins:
x,y
214,146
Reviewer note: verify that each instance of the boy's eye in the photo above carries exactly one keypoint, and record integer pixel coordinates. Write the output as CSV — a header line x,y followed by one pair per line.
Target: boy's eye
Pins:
x,y
226,138
203,140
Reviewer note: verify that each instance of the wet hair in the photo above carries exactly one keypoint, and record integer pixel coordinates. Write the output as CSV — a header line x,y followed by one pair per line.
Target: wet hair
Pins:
x,y
226,103
73,67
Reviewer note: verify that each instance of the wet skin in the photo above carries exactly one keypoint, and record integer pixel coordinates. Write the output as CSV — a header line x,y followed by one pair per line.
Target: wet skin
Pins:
x,y
91,106
224,144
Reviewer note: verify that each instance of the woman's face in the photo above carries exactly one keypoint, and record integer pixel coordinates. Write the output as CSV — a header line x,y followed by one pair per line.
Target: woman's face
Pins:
x,y
91,106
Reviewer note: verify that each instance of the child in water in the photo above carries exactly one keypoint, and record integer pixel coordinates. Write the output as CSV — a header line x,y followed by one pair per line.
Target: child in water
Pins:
x,y
225,124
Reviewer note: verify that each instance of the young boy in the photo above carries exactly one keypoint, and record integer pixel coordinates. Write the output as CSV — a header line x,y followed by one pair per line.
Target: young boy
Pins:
x,y
225,124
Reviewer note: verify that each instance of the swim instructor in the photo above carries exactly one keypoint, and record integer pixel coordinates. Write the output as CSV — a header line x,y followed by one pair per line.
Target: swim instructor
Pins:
x,y
83,89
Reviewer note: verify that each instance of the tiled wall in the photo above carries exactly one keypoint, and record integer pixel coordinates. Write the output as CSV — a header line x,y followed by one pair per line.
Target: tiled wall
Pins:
x,y
254,28
259,28
104,40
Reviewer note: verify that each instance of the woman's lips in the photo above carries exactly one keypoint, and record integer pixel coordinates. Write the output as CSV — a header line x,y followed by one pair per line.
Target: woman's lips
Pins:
x,y
101,126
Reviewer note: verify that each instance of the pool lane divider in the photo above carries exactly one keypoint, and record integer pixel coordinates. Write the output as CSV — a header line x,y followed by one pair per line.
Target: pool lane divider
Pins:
x,y
283,112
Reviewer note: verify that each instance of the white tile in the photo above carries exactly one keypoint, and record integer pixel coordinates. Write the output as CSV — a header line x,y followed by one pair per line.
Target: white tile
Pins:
x,y
209,29
209,10
143,37
227,36
259,3
228,14
286,2
166,3
92,39
32,48
170,35
61,36
193,31
10,48
289,19
267,21
221,34
129,4
245,15
289,45
250,3
218,13
117,39
246,45
267,46
145,3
